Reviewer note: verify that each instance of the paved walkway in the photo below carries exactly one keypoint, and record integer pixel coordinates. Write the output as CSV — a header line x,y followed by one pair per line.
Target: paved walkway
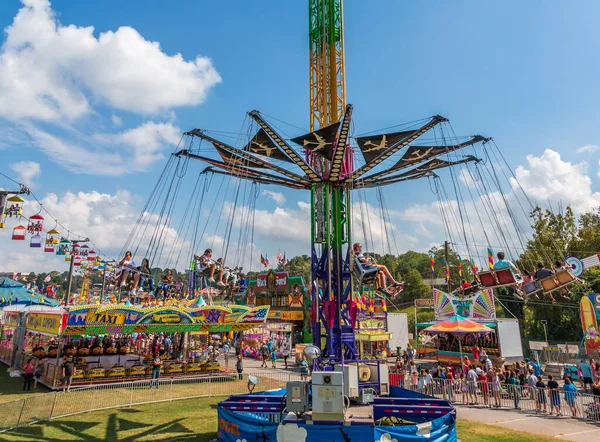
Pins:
x,y
561,428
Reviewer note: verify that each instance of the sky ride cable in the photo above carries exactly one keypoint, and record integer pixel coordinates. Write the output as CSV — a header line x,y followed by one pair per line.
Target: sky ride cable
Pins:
x,y
459,197
169,217
152,244
532,207
148,214
186,219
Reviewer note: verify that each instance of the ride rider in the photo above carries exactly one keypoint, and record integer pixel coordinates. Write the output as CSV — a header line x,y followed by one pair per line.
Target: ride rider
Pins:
x,y
367,262
206,265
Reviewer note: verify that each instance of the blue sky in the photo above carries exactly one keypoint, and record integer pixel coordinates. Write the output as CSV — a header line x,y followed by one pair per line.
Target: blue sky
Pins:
x,y
521,72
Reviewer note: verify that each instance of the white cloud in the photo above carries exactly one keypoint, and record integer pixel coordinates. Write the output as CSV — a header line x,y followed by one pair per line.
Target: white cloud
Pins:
x,y
278,197
145,141
50,71
27,172
116,120
76,158
549,178
591,148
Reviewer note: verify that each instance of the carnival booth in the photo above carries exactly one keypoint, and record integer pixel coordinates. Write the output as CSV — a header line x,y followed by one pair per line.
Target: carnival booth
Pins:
x,y
372,334
116,342
285,295
503,344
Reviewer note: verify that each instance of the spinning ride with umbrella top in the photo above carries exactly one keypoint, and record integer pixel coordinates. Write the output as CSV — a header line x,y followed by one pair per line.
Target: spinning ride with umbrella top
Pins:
x,y
459,327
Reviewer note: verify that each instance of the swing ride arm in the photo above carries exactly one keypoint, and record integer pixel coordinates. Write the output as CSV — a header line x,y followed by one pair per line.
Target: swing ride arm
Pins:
x,y
309,171
246,157
240,171
447,149
434,121
342,149
415,173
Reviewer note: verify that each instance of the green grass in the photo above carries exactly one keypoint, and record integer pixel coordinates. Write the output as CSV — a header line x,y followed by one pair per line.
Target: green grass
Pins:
x,y
469,431
190,420
12,388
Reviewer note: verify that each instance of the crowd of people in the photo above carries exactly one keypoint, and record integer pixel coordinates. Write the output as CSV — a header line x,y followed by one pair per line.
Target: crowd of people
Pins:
x,y
478,379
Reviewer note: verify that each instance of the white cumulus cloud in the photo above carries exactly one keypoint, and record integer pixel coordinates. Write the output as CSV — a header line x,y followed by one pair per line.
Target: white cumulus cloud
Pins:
x,y
590,148
27,172
52,71
278,197
549,178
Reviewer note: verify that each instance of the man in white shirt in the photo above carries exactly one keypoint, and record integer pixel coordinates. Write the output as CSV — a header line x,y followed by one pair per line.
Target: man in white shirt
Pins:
x,y
488,364
472,385
206,265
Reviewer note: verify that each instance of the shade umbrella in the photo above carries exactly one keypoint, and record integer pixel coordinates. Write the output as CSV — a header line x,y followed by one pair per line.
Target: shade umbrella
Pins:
x,y
459,327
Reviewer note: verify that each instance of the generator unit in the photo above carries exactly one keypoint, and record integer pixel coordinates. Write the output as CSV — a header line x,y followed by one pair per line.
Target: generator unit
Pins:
x,y
296,400
327,396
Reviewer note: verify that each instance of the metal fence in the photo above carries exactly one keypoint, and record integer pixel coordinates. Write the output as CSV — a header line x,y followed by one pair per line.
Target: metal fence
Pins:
x,y
499,395
22,412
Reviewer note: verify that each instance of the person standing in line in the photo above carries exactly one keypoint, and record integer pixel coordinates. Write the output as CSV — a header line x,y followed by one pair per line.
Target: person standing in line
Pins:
x,y
303,368
571,396
239,366
541,396
554,395
273,358
68,370
586,374
429,382
410,352
28,374
156,364
484,387
495,381
531,382
464,388
472,384
515,389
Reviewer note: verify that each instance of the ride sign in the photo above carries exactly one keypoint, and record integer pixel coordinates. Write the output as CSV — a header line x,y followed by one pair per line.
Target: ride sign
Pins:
x,y
424,303
44,323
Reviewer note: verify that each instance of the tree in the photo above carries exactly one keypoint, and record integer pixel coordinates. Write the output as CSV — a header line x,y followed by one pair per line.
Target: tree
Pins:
x,y
414,287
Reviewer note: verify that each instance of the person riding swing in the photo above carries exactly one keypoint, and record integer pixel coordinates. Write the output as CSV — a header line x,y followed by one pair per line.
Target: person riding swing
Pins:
x,y
382,273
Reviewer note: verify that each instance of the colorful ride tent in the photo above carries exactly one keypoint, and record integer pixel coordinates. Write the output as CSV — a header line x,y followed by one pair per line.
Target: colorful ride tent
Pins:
x,y
120,318
458,326
13,292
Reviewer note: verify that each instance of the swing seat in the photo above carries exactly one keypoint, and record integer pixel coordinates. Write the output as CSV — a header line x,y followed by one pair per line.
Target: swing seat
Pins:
x,y
364,275
560,279
505,277
531,288
488,279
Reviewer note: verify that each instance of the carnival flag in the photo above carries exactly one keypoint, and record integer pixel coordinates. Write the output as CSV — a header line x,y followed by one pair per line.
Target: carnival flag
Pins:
x,y
473,268
285,260
447,271
279,256
460,267
266,260
432,256
262,260
490,259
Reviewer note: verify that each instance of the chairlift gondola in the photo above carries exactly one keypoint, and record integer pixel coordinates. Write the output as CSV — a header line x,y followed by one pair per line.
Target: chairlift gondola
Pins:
x,y
19,233
36,241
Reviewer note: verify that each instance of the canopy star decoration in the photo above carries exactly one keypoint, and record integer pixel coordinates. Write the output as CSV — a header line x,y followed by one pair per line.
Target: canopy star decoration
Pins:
x,y
260,160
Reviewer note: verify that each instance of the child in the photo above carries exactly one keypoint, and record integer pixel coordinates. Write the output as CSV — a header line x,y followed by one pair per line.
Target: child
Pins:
x,y
303,368
464,388
274,358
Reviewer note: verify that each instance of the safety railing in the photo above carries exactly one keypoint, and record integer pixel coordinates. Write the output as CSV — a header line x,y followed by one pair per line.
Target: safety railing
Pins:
x,y
22,412
578,404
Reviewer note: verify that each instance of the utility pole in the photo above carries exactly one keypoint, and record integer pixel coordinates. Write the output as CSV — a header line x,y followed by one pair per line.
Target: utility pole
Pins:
x,y
446,259
71,264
